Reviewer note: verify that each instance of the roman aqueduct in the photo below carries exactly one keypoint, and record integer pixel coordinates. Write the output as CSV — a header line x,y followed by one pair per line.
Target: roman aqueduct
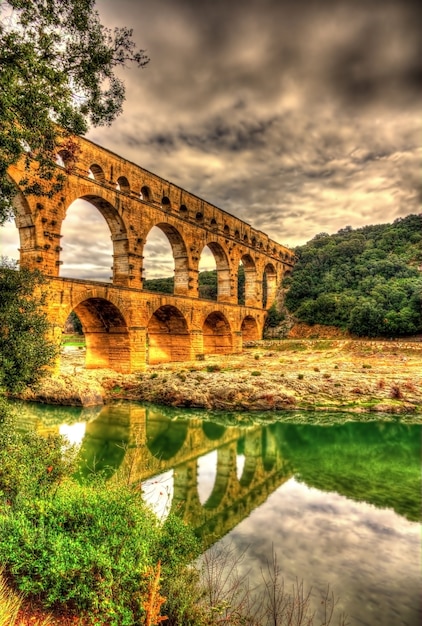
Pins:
x,y
125,325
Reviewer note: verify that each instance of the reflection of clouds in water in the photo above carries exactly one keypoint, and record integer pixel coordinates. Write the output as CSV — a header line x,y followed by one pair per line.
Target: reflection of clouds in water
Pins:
x,y
207,473
370,557
74,433
240,464
158,492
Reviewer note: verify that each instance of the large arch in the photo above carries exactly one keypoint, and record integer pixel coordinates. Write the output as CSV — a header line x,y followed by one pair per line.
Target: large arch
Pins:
x,y
269,285
250,290
223,271
106,335
180,256
217,334
168,336
24,222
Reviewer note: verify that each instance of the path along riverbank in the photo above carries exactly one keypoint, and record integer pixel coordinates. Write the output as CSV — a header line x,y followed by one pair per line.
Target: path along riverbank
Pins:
x,y
308,374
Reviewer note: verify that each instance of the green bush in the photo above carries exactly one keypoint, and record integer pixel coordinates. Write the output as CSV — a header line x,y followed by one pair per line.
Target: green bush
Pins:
x,y
88,549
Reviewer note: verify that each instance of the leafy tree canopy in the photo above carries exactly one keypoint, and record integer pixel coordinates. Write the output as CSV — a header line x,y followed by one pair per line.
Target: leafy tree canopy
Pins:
x,y
365,280
57,76
25,352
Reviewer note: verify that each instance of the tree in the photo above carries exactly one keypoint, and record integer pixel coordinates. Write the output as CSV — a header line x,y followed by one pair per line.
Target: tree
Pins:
x,y
25,352
57,76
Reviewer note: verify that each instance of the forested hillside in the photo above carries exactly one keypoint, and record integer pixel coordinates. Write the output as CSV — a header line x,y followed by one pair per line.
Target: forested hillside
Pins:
x,y
367,280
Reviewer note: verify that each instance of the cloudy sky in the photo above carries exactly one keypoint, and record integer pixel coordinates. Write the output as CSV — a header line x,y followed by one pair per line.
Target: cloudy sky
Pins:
x,y
298,117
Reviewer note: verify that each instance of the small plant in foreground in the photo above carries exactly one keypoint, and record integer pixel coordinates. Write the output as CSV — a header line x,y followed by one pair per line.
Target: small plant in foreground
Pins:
x,y
396,392
300,376
256,373
213,368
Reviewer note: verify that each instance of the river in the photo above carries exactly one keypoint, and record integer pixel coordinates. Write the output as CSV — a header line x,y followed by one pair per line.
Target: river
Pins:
x,y
338,501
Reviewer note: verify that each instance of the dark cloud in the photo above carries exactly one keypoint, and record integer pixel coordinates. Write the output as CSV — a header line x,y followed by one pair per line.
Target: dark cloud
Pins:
x,y
298,117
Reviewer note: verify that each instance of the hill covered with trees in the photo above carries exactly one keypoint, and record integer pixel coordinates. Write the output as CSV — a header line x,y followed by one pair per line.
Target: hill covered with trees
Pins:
x,y
367,281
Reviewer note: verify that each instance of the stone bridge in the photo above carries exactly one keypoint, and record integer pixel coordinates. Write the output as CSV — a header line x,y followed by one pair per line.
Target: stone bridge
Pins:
x,y
125,325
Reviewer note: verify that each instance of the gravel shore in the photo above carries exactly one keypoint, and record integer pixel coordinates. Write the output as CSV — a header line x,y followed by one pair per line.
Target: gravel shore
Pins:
x,y
273,375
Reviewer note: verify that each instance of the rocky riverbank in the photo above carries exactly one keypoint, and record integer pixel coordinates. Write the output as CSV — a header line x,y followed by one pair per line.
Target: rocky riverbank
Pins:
x,y
276,375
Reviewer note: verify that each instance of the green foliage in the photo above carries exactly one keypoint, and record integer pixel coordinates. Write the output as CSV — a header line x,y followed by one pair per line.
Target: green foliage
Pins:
x,y
57,75
25,352
88,548
159,285
274,317
365,280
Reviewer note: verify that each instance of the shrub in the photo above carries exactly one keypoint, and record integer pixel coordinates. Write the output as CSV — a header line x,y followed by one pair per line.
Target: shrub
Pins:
x,y
213,368
256,373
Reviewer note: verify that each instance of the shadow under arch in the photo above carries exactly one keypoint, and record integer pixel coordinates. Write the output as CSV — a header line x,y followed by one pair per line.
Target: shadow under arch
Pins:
x,y
269,449
168,336
164,437
217,334
106,334
223,271
249,329
180,257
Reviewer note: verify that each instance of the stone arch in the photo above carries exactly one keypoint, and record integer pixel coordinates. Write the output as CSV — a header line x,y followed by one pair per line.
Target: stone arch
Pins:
x,y
249,269
226,465
97,172
213,431
269,285
250,329
217,334
24,222
145,193
223,271
118,234
168,336
123,184
165,203
106,334
180,257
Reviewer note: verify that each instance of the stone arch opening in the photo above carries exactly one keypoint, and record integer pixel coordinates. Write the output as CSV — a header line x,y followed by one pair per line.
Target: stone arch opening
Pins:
x,y
206,475
106,335
64,158
168,336
217,334
165,203
207,275
250,330
123,184
223,272
79,257
145,193
247,281
97,173
165,254
269,286
213,431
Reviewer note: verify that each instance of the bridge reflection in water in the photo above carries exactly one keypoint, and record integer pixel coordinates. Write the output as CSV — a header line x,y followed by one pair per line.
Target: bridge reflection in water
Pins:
x,y
163,454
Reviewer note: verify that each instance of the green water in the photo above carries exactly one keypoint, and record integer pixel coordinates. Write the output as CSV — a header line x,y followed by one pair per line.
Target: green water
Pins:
x,y
340,501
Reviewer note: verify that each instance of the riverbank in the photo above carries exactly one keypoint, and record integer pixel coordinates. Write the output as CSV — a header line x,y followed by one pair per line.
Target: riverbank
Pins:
x,y
308,374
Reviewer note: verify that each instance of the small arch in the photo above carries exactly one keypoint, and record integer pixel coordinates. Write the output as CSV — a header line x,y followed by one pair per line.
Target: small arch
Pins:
x,y
250,330
165,202
217,334
145,194
183,209
236,234
168,336
245,238
214,224
253,242
199,216
123,184
97,173
226,229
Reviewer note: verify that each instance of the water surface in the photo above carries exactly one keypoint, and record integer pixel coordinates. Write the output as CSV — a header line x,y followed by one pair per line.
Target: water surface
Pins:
x,y
340,503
